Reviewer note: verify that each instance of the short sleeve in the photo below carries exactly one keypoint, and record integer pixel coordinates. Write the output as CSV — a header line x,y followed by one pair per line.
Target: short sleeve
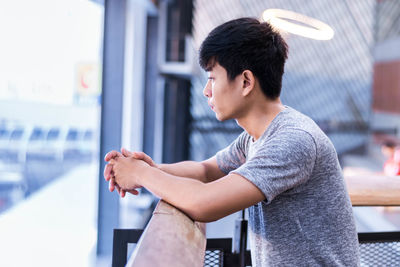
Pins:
x,y
233,156
280,163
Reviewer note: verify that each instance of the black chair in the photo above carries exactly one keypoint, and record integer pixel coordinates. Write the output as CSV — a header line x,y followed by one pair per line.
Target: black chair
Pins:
x,y
121,239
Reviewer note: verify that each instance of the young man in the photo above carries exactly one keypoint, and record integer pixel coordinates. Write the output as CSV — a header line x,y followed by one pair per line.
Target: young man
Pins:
x,y
282,167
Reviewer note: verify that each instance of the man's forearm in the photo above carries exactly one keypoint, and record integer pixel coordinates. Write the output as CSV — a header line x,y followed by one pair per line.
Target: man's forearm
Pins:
x,y
178,191
205,171
192,196
203,202
191,169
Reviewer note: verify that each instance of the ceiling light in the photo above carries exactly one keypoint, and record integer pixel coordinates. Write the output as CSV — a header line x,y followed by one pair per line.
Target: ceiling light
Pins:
x,y
307,27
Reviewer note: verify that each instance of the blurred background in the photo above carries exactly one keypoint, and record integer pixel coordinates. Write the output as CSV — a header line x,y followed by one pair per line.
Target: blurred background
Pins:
x,y
79,78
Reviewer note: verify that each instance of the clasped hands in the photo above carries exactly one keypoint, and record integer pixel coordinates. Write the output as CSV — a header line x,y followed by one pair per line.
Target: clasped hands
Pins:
x,y
124,169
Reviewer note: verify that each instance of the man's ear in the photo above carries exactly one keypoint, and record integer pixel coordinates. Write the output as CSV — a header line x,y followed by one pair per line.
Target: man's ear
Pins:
x,y
248,82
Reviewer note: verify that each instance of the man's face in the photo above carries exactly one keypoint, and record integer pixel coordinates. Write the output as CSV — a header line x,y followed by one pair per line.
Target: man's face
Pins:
x,y
224,96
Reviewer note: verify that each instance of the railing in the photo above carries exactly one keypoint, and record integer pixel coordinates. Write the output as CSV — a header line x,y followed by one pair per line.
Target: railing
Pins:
x,y
377,248
373,190
170,239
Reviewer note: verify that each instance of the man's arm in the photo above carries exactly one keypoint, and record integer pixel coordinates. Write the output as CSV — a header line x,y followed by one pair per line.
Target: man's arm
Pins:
x,y
201,201
205,171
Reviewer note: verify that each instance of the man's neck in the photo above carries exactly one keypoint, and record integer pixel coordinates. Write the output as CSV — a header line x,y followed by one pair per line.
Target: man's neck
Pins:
x,y
259,117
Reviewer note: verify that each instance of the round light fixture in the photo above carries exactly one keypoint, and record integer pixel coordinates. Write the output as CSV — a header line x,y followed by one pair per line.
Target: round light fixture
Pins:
x,y
311,28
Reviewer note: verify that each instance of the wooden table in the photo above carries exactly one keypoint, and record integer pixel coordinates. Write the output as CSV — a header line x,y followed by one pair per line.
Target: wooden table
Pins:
x,y
373,190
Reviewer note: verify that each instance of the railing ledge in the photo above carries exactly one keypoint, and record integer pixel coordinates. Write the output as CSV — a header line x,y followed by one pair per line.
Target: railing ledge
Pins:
x,y
171,238
373,189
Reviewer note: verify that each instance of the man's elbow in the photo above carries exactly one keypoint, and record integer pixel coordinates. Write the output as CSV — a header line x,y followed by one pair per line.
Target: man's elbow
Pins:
x,y
202,217
201,213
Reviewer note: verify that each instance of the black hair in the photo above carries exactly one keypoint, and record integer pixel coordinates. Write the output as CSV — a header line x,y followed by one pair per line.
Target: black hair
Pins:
x,y
247,44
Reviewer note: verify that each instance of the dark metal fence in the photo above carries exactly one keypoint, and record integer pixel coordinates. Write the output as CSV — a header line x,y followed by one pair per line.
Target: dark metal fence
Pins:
x,y
376,249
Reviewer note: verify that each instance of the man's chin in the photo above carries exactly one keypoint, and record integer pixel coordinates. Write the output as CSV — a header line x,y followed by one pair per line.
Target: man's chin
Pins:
x,y
220,118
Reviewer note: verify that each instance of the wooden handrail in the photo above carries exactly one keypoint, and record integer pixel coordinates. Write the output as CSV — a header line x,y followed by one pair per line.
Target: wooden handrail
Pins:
x,y
171,238
373,190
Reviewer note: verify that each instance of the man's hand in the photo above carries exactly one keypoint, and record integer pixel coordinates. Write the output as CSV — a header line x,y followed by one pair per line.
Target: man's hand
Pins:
x,y
127,171
139,155
108,170
109,175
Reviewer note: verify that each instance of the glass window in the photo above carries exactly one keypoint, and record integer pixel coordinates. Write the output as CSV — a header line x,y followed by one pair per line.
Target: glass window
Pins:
x,y
50,73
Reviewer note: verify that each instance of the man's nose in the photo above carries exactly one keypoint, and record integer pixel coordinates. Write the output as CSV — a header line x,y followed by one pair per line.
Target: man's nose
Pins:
x,y
207,89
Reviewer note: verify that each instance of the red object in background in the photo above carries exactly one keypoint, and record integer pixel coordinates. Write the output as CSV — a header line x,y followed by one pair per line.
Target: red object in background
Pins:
x,y
386,92
392,165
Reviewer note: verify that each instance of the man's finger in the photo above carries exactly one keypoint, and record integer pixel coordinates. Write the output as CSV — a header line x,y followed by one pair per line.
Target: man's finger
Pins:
x,y
112,154
143,156
107,172
148,160
126,152
111,185
139,155
133,192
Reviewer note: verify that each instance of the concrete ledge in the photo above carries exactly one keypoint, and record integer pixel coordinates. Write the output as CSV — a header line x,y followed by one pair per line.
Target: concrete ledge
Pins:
x,y
170,239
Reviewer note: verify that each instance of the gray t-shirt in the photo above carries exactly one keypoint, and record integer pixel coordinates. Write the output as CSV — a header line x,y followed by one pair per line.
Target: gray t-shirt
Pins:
x,y
306,218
